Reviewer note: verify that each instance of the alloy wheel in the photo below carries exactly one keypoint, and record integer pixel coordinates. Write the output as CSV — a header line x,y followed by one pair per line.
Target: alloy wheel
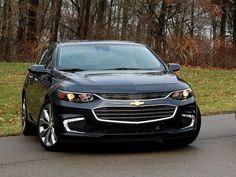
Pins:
x,y
47,133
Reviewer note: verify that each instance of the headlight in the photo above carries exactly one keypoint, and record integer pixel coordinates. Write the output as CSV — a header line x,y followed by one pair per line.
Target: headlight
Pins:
x,y
75,97
182,94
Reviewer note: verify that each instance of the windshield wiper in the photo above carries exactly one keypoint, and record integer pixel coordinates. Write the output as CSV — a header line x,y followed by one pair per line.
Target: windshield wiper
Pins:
x,y
124,68
72,69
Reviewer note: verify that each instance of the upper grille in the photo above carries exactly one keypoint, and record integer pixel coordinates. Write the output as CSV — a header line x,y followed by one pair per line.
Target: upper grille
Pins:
x,y
135,114
132,96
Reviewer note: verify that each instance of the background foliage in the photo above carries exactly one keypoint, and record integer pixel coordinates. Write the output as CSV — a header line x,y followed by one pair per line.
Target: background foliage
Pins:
x,y
192,32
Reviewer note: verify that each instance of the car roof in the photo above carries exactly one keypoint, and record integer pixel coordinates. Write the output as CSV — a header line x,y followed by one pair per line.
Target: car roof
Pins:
x,y
107,42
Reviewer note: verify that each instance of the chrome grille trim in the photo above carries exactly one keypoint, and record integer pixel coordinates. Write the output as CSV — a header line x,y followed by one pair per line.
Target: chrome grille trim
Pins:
x,y
133,96
137,122
152,99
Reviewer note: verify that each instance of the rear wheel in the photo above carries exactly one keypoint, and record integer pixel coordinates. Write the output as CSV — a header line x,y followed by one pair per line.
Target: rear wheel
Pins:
x,y
46,128
188,140
27,127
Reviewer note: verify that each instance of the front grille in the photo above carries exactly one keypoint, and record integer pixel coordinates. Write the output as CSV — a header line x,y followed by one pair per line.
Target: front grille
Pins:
x,y
135,114
132,96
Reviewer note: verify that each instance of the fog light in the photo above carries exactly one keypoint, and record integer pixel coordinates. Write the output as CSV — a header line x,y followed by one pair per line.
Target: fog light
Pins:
x,y
188,115
67,121
187,120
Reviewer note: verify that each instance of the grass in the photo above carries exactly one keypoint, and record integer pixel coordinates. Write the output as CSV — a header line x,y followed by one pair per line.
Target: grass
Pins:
x,y
215,90
11,81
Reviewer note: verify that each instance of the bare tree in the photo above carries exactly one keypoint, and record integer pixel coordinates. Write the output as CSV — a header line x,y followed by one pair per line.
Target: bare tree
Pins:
x,y
234,23
126,5
22,4
56,15
175,29
100,22
87,5
223,4
32,20
7,30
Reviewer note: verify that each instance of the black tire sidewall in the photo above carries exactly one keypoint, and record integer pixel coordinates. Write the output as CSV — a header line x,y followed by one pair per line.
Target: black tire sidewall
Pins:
x,y
29,128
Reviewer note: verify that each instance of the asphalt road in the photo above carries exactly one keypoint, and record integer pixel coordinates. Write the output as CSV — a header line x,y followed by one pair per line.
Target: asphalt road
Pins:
x,y
213,154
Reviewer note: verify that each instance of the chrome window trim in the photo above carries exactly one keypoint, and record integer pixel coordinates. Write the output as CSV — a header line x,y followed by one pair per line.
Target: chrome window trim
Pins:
x,y
136,122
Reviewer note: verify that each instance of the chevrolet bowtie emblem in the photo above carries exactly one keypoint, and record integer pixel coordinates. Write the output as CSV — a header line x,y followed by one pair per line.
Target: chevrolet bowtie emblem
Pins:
x,y
137,103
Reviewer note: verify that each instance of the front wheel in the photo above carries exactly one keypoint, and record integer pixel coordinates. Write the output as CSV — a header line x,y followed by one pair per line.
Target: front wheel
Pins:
x,y
187,140
46,128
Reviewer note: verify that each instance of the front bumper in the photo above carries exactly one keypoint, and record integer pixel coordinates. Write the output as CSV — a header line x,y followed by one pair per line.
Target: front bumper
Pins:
x,y
77,122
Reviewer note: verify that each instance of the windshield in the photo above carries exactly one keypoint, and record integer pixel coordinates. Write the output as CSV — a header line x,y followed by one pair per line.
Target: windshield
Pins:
x,y
107,57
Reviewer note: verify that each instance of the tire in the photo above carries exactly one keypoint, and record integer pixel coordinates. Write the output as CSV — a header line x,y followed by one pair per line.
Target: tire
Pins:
x,y
188,140
27,127
46,129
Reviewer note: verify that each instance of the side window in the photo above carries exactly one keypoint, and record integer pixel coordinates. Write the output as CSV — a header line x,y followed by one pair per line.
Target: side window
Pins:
x,y
43,57
40,58
48,63
46,58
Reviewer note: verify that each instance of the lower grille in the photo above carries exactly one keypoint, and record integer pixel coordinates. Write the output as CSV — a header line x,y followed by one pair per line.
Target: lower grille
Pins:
x,y
135,114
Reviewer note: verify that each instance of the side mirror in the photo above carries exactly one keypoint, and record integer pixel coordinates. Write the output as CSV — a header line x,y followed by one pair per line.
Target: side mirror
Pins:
x,y
38,69
174,67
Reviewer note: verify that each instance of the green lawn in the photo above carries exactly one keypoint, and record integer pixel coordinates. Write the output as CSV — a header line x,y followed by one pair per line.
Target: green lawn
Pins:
x,y
215,90
11,81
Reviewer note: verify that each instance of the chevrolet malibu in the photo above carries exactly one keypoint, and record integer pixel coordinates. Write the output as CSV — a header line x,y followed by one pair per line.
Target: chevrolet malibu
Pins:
x,y
107,91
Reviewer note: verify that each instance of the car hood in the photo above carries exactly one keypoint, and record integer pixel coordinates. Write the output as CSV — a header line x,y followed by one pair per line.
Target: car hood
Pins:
x,y
119,81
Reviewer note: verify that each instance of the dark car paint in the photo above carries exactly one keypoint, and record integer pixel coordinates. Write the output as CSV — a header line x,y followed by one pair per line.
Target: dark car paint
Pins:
x,y
43,85
39,87
120,81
